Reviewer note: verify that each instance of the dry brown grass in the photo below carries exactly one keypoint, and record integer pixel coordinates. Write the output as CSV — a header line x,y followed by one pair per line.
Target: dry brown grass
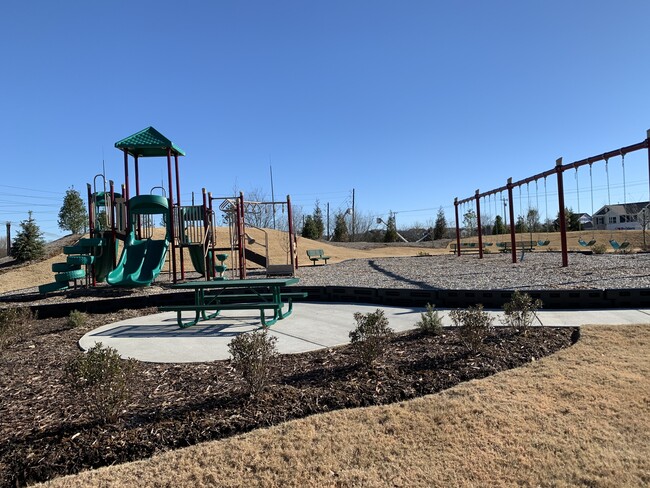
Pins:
x,y
578,418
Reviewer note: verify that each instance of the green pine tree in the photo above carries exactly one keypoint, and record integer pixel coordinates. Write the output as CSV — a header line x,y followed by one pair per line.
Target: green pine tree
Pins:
x,y
341,233
318,220
309,229
72,215
440,228
391,229
29,243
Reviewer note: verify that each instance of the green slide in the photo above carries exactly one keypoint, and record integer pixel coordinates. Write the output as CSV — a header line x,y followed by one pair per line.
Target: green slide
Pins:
x,y
141,260
140,263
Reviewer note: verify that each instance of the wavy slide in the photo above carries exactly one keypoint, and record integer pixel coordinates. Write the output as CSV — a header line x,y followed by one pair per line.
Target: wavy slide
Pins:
x,y
140,263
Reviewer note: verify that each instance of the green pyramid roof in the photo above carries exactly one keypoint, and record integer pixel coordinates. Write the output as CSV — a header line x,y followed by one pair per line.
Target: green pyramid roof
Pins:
x,y
148,143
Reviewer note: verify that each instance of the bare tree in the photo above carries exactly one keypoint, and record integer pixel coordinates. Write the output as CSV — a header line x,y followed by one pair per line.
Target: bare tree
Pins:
x,y
256,214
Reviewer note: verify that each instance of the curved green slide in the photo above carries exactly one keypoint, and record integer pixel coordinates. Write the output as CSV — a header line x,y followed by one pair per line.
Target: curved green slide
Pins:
x,y
141,260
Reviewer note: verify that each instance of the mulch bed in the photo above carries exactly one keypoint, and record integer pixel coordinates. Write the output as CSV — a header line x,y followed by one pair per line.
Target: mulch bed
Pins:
x,y
46,430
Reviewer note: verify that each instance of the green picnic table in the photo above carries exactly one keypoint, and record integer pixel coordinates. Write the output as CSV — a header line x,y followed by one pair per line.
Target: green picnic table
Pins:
x,y
249,294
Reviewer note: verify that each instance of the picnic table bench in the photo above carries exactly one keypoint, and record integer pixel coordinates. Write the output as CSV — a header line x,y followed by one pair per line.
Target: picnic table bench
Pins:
x,y
317,255
250,294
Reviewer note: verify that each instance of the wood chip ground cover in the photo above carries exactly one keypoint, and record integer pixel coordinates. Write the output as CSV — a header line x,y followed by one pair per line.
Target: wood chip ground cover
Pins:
x,y
47,432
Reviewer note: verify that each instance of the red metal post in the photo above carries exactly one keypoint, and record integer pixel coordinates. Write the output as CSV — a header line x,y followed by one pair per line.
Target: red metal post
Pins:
x,y
457,227
647,140
113,217
480,228
241,231
137,192
126,175
292,237
137,174
213,230
562,216
209,265
91,227
172,233
178,204
513,235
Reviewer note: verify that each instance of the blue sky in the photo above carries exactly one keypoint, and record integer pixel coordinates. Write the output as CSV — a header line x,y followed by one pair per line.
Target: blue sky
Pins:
x,y
411,103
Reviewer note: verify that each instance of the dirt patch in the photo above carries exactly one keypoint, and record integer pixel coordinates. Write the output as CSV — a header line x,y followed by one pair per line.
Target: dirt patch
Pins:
x,y
47,433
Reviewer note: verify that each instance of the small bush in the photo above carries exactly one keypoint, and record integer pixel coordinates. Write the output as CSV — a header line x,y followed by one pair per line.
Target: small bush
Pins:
x,y
77,319
102,380
13,322
371,335
253,354
430,321
520,311
473,326
599,248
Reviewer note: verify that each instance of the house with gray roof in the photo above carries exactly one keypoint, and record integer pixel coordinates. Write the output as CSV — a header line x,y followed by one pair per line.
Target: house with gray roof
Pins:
x,y
623,216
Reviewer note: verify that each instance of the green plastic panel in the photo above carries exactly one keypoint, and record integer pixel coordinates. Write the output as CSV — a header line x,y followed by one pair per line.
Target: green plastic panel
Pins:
x,y
148,143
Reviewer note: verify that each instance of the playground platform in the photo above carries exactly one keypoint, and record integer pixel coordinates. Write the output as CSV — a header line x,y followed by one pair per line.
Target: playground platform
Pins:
x,y
157,338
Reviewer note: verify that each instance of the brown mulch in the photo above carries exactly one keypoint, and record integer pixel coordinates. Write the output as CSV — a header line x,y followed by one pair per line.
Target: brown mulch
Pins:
x,y
46,431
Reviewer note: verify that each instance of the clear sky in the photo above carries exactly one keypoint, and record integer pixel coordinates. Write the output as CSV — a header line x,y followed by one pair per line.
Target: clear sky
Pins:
x,y
410,103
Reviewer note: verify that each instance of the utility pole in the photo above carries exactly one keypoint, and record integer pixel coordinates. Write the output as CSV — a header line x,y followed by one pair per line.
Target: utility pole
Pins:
x,y
353,223
8,238
328,221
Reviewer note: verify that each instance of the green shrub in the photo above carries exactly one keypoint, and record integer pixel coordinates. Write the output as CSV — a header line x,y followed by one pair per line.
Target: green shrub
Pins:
x,y
371,335
519,312
102,380
430,321
13,322
253,355
599,248
77,319
473,326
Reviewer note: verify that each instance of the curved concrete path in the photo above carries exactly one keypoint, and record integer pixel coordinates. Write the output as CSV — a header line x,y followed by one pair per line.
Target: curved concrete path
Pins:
x,y
157,338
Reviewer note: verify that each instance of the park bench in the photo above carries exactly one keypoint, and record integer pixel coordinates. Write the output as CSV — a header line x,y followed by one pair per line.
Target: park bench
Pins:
x,y
465,248
521,246
317,255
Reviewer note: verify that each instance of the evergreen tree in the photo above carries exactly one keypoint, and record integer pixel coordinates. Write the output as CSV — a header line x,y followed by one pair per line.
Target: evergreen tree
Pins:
x,y
72,215
520,225
318,220
469,219
572,220
499,227
29,243
391,229
340,228
440,227
309,229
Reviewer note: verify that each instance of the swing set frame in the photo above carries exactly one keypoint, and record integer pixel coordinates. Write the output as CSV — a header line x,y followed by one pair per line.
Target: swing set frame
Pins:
x,y
558,170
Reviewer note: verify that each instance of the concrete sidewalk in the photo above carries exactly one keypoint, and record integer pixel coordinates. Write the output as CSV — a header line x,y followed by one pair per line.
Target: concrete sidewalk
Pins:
x,y
157,338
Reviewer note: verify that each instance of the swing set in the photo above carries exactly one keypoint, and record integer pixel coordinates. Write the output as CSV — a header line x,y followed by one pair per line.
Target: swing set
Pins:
x,y
558,171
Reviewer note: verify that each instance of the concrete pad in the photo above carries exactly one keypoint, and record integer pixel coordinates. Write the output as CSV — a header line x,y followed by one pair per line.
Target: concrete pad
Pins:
x,y
157,338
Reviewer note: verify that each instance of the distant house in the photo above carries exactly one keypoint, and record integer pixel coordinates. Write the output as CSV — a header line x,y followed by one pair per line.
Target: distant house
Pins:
x,y
585,221
628,216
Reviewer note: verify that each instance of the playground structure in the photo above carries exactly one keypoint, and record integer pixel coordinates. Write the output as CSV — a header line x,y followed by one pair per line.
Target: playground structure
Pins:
x,y
558,171
118,220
